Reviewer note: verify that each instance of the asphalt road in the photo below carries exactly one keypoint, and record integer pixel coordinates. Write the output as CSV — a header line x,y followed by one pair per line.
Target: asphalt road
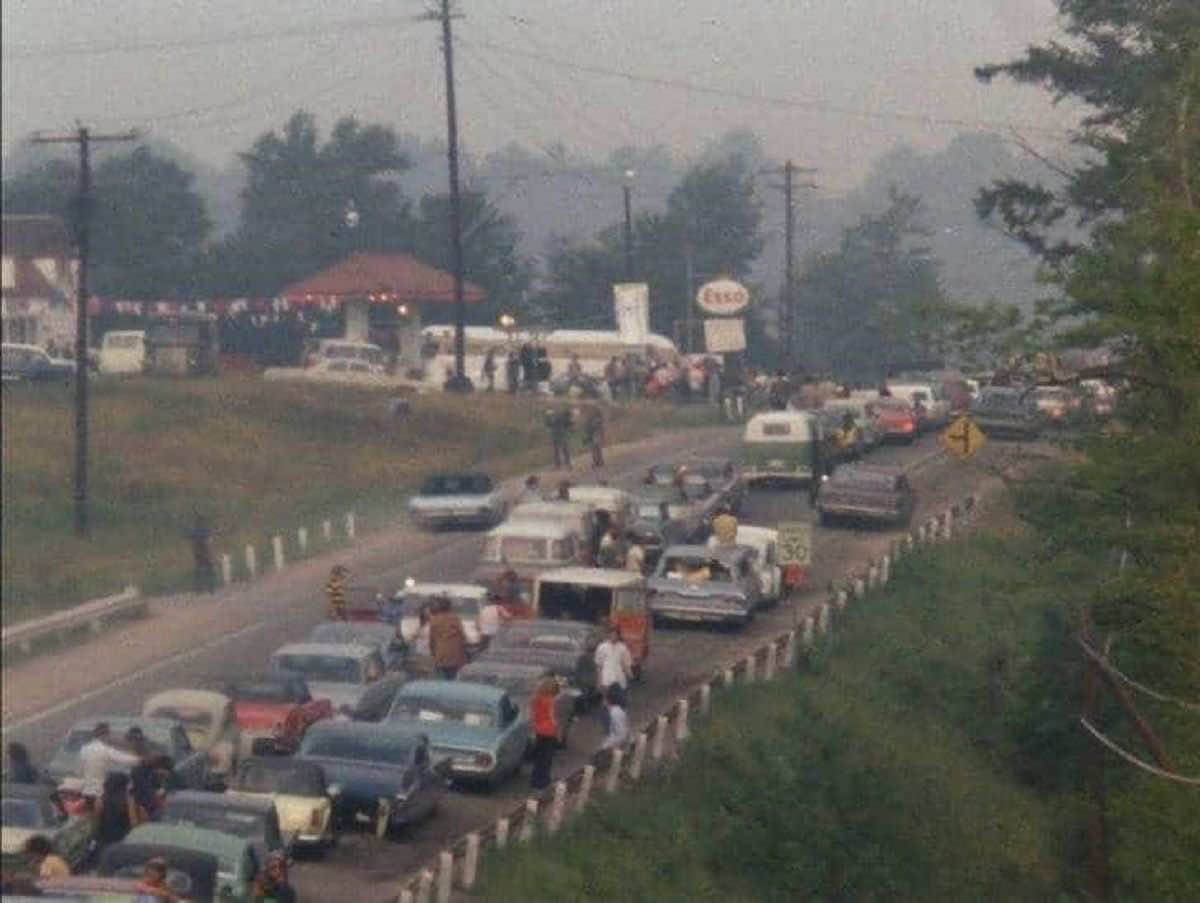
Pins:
x,y
363,868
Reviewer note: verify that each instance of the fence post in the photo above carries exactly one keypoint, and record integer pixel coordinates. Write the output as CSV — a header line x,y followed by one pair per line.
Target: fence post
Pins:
x,y
529,822
660,738
226,569
948,527
885,569
727,678
860,586
705,699
769,662
471,860
501,833
639,756
585,787
823,620
445,878
789,650
612,780
425,886
251,562
557,806
302,539
751,665
681,721
277,548
406,896
842,598
872,575
808,632
350,525
327,529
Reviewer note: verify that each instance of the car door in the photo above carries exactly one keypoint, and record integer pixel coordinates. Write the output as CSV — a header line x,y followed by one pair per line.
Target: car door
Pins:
x,y
513,737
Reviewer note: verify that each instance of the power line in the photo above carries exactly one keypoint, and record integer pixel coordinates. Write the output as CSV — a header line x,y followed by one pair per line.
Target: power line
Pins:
x,y
55,51
1111,669
1134,760
816,106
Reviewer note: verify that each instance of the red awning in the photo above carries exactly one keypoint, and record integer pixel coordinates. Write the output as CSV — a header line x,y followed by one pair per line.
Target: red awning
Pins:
x,y
380,279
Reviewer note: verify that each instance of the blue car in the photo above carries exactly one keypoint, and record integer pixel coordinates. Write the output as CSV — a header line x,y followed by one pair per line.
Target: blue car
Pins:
x,y
478,727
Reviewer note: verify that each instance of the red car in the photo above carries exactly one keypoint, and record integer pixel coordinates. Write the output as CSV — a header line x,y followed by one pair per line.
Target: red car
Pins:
x,y
275,709
895,420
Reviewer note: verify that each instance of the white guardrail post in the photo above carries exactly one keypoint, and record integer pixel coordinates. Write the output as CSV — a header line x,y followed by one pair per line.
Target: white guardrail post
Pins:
x,y
769,662
445,876
612,781
350,525
425,886
302,539
501,832
706,699
277,550
558,807
226,569
585,788
681,721
327,529
251,562
639,756
471,860
660,738
529,822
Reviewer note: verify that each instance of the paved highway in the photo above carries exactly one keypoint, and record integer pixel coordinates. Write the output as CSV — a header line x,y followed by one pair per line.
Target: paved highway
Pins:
x,y
363,868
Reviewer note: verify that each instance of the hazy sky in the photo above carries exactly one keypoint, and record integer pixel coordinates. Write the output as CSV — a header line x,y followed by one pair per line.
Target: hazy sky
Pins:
x,y
847,79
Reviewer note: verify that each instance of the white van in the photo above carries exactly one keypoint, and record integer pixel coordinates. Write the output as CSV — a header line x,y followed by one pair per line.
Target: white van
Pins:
x,y
781,445
123,351
937,408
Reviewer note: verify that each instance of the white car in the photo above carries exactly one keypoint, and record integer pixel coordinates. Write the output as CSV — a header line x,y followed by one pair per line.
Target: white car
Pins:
x,y
122,351
459,500
209,720
765,543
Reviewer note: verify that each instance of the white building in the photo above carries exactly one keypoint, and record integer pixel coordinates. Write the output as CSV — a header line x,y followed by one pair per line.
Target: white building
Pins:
x,y
37,282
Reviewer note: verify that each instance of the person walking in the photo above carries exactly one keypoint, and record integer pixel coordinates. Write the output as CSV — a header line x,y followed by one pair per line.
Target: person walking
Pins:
x,y
617,734
97,758
512,372
614,663
204,575
593,434
447,639
145,784
489,369
335,592
20,770
608,550
545,732
558,421
47,864
272,885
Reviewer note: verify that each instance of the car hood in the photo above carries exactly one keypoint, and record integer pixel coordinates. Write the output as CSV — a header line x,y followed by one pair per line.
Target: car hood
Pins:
x,y
447,735
448,502
337,694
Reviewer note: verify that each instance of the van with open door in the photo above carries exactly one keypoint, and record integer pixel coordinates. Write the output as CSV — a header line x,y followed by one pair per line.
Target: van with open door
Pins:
x,y
599,596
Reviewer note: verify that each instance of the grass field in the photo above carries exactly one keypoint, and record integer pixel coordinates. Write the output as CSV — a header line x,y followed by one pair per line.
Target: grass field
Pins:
x,y
255,457
886,771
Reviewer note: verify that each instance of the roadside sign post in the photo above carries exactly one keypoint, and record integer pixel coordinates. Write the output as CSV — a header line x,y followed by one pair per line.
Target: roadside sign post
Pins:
x,y
795,544
963,438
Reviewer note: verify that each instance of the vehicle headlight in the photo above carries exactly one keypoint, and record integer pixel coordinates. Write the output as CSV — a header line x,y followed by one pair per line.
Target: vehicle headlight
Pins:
x,y
334,789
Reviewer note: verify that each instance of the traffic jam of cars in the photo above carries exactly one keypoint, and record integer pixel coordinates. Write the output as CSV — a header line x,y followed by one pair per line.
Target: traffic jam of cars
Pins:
x,y
362,725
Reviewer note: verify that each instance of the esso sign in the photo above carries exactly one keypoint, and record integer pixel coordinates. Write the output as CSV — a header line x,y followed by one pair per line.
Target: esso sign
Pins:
x,y
723,297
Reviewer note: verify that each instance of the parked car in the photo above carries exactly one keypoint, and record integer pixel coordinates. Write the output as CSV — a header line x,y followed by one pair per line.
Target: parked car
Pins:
x,y
894,419
251,819
477,727
696,583
466,600
347,674
299,793
858,408
765,543
122,351
782,446
601,596
1054,403
383,636
929,396
566,649
1002,412
276,711
127,890
29,809
520,681
31,363
866,492
237,863
459,500
191,874
165,736
529,547
376,773
687,512
654,534
211,724
581,517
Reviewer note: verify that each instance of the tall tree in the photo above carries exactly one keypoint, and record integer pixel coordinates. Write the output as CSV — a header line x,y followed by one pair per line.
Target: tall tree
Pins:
x,y
149,225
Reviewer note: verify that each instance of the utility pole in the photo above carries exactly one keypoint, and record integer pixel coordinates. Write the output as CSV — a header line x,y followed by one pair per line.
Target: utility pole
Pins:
x,y
459,382
627,191
689,267
788,324
81,221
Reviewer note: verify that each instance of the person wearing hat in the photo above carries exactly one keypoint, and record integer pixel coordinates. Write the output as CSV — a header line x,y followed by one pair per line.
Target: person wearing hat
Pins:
x,y
271,885
335,593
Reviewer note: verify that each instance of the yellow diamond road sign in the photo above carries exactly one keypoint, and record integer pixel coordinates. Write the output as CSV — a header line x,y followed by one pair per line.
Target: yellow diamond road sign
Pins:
x,y
963,438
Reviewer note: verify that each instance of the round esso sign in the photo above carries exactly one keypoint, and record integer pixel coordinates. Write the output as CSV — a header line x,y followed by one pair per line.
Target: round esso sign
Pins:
x,y
723,297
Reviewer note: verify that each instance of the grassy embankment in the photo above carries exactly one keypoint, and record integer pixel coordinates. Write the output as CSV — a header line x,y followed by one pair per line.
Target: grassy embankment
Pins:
x,y
908,763
257,458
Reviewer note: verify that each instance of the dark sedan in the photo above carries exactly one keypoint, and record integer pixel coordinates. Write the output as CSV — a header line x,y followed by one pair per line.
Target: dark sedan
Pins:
x,y
377,774
1002,412
566,649
29,363
254,820
866,492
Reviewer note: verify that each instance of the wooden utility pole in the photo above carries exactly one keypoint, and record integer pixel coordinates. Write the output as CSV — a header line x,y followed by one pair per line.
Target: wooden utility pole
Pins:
x,y
788,330
81,221
1099,883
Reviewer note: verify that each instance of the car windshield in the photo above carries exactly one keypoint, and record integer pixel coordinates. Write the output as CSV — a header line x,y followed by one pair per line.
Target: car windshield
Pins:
x,y
246,825
296,780
458,484
358,747
330,668
517,548
279,693
424,708
20,814
122,341
520,636
695,569
194,720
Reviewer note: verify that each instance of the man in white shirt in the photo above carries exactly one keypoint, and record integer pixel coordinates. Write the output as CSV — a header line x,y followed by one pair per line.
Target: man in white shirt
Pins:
x,y
489,620
614,664
97,758
635,557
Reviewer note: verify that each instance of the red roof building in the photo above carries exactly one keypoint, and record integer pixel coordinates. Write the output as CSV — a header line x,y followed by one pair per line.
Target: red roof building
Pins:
x,y
379,279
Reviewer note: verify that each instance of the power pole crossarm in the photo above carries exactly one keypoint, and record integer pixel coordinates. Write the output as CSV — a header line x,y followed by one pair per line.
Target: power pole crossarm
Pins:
x,y
81,220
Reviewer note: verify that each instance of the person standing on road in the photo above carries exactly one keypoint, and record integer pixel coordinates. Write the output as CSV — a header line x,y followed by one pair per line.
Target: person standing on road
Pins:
x,y
558,421
593,434
489,369
118,813
204,576
512,371
614,663
617,734
447,639
335,592
97,758
635,555
545,732
20,770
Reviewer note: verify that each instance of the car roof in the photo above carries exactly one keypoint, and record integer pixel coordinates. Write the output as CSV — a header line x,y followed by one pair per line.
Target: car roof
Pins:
x,y
881,469
535,529
346,650
788,416
282,763
452,689
756,534
718,552
221,800
192,698
596,576
227,846
552,508
469,590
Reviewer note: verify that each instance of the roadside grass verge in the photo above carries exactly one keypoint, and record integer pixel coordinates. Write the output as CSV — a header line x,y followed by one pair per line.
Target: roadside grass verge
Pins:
x,y
890,767
256,458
